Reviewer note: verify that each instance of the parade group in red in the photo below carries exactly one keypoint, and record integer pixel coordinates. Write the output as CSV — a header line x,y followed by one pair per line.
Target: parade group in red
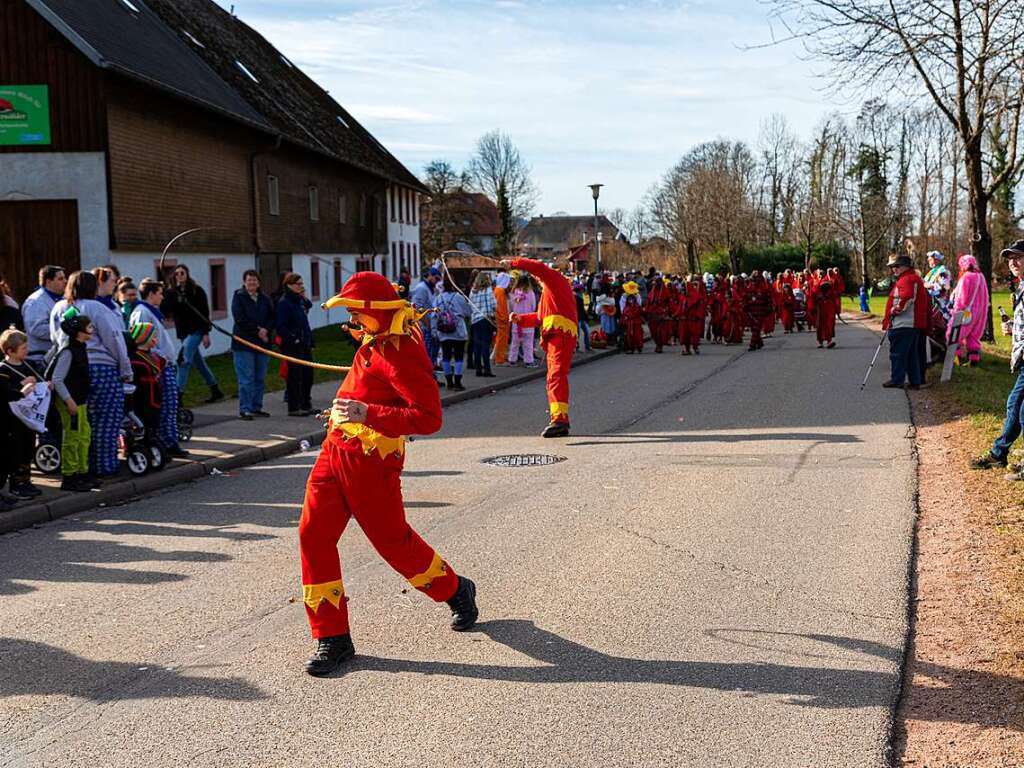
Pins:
x,y
688,312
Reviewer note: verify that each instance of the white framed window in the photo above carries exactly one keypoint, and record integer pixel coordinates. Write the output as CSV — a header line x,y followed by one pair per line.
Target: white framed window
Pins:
x,y
314,204
343,208
273,196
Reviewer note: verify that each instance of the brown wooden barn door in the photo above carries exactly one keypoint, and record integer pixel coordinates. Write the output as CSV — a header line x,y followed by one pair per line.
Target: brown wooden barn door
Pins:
x,y
34,233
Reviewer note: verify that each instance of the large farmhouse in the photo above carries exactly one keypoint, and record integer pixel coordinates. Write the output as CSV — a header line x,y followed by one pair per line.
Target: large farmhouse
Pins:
x,y
126,122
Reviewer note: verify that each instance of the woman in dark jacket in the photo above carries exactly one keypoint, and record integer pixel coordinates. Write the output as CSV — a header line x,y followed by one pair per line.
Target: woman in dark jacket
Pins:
x,y
254,321
186,304
296,341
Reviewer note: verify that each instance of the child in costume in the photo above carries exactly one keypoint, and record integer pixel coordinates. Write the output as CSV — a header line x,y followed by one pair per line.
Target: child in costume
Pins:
x,y
388,394
633,320
69,373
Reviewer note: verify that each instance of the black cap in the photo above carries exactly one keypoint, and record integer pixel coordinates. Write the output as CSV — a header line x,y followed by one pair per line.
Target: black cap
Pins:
x,y
1014,251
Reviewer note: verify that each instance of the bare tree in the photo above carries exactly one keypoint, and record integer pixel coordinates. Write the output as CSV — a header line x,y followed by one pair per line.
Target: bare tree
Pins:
x,y
497,162
778,155
445,209
964,54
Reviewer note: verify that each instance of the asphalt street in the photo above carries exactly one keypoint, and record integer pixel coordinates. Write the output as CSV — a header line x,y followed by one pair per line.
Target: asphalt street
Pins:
x,y
715,576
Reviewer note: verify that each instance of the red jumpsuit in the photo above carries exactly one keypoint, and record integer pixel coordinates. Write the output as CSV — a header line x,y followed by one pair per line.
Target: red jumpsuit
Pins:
x,y
556,316
358,475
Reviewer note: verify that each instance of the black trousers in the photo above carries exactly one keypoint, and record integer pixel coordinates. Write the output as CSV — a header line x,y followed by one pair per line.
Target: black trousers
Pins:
x,y
300,379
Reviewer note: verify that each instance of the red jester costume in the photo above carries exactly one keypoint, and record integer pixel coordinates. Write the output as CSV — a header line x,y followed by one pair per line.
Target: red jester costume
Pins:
x,y
389,393
556,316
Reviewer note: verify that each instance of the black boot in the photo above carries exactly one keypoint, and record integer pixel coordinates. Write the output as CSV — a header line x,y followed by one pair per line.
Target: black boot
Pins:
x,y
556,429
458,383
463,605
450,379
215,395
329,654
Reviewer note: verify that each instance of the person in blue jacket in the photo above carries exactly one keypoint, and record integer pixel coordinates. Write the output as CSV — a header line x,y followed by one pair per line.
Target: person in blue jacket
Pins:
x,y
254,321
296,341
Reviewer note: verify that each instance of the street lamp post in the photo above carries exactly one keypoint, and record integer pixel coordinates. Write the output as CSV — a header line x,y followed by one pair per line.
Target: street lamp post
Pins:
x,y
596,189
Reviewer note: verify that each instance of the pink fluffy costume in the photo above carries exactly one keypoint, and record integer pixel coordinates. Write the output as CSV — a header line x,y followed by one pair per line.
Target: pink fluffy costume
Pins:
x,y
971,293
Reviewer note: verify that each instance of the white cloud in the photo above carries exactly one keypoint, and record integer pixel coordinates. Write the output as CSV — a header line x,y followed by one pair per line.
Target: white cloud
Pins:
x,y
605,91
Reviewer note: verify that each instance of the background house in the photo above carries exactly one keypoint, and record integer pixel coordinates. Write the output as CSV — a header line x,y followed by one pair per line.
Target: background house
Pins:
x,y
551,237
165,115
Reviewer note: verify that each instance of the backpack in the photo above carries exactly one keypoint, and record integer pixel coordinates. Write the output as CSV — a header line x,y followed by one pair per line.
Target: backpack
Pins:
x,y
446,320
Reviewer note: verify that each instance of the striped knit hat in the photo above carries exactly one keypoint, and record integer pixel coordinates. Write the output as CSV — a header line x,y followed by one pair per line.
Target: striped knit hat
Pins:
x,y
142,333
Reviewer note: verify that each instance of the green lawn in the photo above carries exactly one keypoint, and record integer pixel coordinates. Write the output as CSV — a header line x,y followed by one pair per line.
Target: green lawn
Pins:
x,y
331,347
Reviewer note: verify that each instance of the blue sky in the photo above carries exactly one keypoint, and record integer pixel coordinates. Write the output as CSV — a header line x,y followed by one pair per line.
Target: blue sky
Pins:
x,y
598,91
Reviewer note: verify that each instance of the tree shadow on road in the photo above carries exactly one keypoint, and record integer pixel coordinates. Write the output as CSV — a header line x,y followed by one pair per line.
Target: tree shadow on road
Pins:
x,y
759,437
30,668
87,561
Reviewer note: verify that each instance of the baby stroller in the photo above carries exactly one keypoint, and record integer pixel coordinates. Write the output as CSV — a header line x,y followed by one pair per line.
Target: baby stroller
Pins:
x,y
799,309
142,451
47,456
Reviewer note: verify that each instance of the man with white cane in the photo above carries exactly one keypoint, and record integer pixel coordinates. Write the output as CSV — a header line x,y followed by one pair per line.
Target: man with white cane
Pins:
x,y
998,456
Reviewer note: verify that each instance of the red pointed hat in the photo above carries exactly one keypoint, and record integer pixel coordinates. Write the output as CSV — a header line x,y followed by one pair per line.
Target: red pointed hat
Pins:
x,y
367,290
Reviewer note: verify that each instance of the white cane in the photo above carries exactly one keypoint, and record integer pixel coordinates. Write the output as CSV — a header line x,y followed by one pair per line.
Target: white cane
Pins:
x,y
873,359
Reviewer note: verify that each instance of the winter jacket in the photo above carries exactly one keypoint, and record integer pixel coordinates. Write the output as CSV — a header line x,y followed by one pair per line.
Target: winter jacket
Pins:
x,y
106,347
292,321
250,314
189,308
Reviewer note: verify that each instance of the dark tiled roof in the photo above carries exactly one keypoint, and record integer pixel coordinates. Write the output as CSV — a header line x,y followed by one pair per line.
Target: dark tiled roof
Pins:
x,y
482,215
565,231
194,48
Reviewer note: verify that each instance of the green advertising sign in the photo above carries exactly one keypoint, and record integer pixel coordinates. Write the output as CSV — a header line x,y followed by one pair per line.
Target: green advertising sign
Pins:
x,y
24,115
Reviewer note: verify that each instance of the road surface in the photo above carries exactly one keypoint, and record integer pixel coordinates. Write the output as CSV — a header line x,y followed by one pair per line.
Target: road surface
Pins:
x,y
716,576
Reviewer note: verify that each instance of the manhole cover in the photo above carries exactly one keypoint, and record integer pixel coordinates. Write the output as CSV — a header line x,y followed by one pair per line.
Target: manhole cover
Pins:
x,y
524,460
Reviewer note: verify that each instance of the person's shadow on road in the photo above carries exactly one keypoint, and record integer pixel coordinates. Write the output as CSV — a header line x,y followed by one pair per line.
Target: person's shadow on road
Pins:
x,y
565,661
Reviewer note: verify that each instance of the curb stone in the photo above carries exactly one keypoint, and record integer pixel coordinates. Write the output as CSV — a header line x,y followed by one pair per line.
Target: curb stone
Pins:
x,y
72,504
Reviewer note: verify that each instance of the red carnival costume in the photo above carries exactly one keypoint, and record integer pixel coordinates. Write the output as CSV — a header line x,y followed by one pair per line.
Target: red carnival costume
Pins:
x,y
358,471
788,308
633,320
659,314
556,316
692,326
757,305
826,308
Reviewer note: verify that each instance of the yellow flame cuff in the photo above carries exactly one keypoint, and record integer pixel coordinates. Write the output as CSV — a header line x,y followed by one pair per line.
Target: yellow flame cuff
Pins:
x,y
559,409
437,568
331,591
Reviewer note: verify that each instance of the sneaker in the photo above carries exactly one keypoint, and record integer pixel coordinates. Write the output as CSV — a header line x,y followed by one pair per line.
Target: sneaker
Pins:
x,y
1014,477
463,605
8,499
6,506
215,395
245,416
74,484
261,414
988,461
892,385
330,653
556,429
25,491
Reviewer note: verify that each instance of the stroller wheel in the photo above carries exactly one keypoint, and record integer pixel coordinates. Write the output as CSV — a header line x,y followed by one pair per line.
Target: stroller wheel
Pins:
x,y
156,457
138,462
185,416
47,458
184,432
